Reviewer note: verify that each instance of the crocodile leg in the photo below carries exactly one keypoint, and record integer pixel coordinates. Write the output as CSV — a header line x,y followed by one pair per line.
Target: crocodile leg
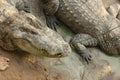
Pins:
x,y
22,5
51,22
50,8
114,9
82,40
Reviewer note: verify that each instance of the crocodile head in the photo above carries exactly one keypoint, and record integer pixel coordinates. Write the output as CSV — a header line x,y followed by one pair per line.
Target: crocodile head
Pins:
x,y
35,38
25,32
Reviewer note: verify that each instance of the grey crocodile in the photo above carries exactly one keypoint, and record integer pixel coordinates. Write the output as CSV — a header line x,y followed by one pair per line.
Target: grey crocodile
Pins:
x,y
91,21
22,31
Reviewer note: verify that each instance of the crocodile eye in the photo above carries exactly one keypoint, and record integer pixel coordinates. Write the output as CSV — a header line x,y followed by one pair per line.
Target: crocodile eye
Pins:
x,y
59,55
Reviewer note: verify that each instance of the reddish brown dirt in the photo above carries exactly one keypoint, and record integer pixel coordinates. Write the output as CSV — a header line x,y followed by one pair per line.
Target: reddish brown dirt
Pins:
x,y
21,69
25,67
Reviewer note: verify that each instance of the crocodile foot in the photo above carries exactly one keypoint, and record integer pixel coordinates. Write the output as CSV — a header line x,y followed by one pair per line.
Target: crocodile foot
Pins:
x,y
23,6
80,42
86,57
52,22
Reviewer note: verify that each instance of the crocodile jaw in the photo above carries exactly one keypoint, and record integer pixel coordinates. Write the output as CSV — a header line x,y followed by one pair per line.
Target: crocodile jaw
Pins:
x,y
31,48
40,42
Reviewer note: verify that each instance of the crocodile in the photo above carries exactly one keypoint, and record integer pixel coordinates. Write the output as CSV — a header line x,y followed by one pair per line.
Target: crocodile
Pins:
x,y
24,32
91,22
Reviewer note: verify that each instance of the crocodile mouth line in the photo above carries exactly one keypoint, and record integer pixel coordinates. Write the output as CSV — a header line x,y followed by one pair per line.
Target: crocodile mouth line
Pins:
x,y
39,51
45,52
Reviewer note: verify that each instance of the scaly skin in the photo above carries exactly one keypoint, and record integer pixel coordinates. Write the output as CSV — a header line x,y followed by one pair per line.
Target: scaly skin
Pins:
x,y
23,31
90,17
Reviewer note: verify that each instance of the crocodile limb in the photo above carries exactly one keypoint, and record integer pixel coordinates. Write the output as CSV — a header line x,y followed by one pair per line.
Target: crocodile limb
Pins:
x,y
114,9
23,31
79,41
91,18
23,5
51,20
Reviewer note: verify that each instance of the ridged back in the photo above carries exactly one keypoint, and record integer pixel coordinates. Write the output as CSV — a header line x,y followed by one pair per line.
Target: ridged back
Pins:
x,y
88,13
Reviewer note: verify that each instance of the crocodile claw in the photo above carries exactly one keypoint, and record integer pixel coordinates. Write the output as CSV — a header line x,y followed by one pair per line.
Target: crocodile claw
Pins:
x,y
86,57
51,22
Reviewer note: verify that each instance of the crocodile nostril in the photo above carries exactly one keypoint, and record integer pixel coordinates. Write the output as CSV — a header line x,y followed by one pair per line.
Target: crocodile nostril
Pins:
x,y
59,54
